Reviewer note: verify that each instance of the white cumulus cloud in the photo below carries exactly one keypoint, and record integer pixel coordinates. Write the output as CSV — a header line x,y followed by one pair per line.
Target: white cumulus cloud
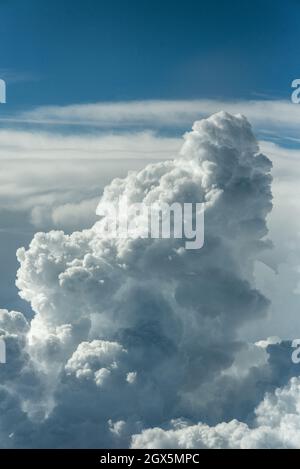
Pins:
x,y
129,334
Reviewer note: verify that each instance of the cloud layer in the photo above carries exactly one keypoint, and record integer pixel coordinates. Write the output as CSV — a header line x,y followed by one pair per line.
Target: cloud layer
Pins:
x,y
268,113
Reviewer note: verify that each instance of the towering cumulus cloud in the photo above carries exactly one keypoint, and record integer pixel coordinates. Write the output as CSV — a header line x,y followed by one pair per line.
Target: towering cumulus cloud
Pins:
x,y
137,334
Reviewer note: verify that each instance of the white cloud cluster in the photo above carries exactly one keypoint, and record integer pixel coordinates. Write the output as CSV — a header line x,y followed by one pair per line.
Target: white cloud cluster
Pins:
x,y
129,334
277,425
95,360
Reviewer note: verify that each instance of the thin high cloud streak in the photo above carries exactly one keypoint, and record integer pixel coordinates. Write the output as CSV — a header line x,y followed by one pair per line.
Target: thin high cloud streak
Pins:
x,y
269,114
29,144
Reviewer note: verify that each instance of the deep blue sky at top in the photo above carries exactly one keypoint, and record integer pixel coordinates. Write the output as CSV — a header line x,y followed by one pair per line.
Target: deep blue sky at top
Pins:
x,y
74,51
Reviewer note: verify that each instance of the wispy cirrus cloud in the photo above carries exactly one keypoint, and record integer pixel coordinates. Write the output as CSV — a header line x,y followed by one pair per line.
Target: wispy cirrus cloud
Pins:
x,y
17,76
29,143
268,114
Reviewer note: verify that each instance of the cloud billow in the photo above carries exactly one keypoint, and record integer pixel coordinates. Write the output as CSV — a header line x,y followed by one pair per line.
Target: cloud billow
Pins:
x,y
130,334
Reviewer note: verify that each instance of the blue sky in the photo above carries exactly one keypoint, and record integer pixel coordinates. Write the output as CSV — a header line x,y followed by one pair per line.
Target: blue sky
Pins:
x,y
72,51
